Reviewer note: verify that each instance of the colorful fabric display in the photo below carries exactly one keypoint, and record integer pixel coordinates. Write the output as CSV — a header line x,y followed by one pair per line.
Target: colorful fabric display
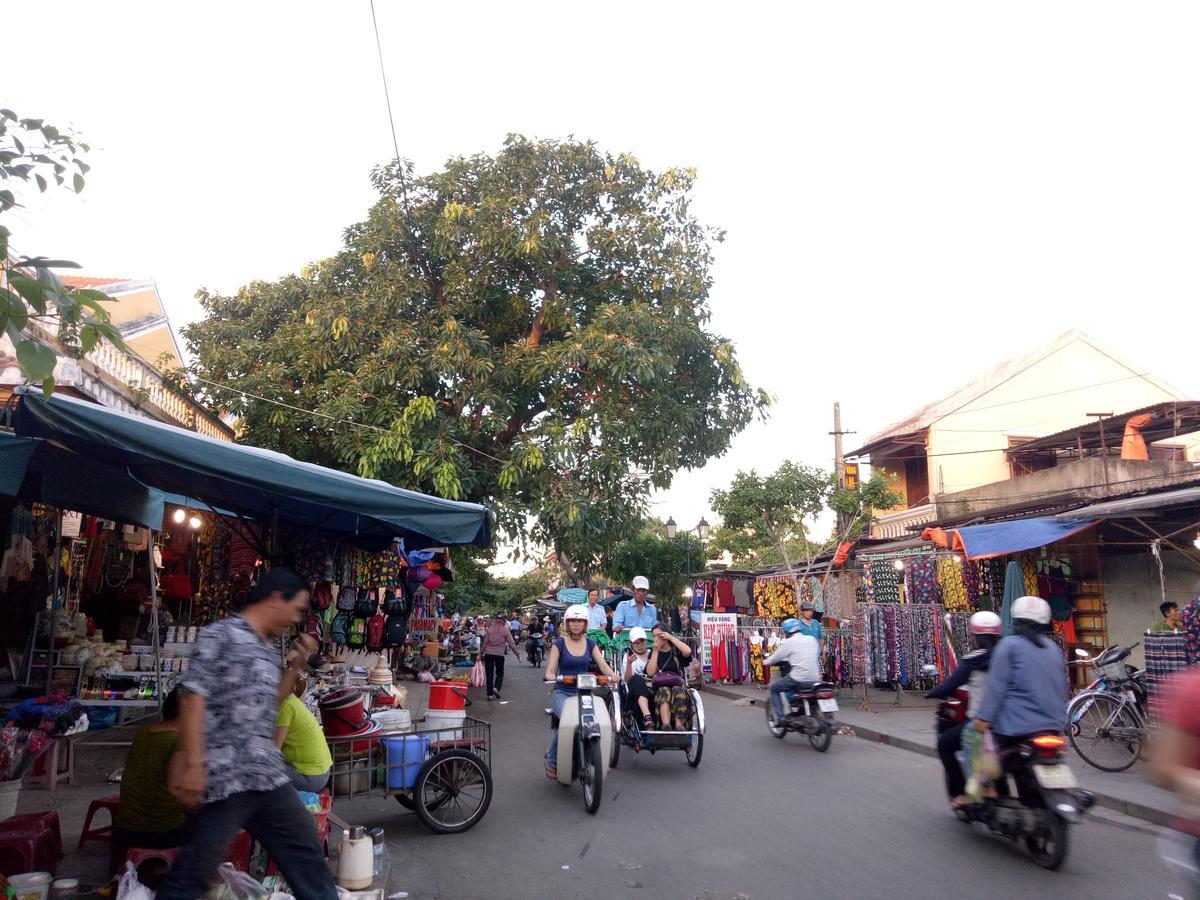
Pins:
x,y
885,581
922,580
950,581
1166,653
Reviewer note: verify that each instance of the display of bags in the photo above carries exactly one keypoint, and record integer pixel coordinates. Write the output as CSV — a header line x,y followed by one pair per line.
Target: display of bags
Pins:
x,y
356,634
339,630
393,631
366,605
322,595
375,629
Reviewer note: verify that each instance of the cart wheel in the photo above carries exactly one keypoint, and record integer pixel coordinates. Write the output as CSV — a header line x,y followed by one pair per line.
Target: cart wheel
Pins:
x,y
695,750
452,792
405,800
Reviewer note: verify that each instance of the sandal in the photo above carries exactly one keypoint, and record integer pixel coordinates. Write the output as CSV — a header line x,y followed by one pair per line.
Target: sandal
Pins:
x,y
647,723
551,772
962,801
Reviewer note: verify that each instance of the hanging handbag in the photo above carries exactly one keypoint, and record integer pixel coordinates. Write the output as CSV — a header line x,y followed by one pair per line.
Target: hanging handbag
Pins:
x,y
323,595
347,599
366,606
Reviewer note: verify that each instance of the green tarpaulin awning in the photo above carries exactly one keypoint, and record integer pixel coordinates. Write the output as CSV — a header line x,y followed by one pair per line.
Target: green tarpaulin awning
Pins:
x,y
256,483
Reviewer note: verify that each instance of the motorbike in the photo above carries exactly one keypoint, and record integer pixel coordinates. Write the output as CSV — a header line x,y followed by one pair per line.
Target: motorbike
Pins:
x,y
809,712
534,650
585,737
1047,797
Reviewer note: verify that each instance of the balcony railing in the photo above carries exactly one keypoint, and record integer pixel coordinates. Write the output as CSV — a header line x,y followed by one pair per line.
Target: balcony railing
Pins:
x,y
138,384
897,524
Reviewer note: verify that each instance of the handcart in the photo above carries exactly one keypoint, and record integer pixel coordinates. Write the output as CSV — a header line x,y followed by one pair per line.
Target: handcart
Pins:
x,y
441,771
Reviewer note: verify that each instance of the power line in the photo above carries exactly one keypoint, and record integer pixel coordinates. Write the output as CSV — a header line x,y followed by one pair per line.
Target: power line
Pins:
x,y
388,98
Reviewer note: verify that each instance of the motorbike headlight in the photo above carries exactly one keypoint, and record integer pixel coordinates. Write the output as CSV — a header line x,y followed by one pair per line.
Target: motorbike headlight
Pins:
x,y
587,681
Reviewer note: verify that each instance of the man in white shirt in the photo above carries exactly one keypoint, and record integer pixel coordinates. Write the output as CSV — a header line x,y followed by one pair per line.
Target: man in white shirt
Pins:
x,y
597,617
802,652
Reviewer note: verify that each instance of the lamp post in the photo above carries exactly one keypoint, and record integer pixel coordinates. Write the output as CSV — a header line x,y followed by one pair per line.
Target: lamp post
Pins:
x,y
702,529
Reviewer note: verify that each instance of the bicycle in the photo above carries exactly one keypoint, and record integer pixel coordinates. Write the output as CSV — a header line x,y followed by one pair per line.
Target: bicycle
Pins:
x,y
1107,722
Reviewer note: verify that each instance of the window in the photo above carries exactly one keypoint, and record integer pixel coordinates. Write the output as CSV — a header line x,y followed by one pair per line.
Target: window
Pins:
x,y
1027,463
916,479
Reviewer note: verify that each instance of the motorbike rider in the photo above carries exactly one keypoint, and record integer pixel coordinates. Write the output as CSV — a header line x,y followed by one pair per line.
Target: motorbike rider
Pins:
x,y
972,671
571,654
803,654
1027,679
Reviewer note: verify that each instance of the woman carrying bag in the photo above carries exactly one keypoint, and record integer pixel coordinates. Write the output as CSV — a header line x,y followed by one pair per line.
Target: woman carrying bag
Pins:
x,y
497,641
666,667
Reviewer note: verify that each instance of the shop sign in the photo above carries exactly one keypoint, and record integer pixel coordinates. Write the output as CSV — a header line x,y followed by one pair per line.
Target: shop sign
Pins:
x,y
72,522
715,627
423,627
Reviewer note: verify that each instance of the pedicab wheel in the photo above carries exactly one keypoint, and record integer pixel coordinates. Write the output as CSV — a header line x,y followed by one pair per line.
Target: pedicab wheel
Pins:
x,y
614,713
591,774
452,792
694,750
822,737
773,725
406,801
1048,845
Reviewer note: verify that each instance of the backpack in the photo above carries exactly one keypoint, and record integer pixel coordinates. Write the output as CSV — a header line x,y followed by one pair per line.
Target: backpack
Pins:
x,y
375,633
339,629
366,606
315,627
394,631
356,634
347,598
393,603
323,595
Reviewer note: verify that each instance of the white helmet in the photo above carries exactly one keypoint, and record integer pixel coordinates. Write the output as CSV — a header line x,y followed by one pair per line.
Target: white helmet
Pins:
x,y
576,611
986,623
1035,609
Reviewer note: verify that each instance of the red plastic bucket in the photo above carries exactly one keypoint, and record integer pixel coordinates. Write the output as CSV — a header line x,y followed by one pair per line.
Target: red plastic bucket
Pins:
x,y
343,713
448,695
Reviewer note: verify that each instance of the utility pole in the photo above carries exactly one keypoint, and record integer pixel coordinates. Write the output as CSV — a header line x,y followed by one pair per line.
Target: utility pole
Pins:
x,y
839,459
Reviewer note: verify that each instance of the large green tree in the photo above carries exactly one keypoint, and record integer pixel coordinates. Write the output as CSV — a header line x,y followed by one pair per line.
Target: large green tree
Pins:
x,y
785,510
666,562
528,329
38,313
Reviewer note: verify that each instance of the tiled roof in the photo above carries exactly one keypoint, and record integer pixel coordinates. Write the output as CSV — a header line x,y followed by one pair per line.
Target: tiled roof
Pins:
x,y
86,281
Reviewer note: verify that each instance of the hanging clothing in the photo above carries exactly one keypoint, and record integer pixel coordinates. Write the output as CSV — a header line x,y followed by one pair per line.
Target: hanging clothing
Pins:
x,y
950,582
885,581
923,581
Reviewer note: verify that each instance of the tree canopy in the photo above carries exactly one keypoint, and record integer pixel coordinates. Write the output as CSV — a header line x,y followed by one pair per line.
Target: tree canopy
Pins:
x,y
784,510
36,153
666,562
528,329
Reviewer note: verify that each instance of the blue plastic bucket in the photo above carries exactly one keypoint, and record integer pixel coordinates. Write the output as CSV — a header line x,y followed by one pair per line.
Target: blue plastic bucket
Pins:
x,y
403,756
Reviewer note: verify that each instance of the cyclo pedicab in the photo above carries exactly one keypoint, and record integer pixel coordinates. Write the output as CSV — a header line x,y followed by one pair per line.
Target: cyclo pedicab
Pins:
x,y
627,725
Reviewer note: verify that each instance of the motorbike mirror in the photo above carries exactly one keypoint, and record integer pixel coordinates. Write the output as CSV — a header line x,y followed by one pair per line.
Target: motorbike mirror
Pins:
x,y
1081,653
929,670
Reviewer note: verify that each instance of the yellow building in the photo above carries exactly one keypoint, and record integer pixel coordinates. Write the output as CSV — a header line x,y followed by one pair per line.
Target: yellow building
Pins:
x,y
946,452
137,309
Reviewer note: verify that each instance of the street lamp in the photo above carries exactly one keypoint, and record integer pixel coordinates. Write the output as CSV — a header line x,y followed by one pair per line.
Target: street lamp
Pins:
x,y
702,529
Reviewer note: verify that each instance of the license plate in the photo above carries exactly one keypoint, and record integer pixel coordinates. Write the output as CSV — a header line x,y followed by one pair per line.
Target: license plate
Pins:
x,y
828,705
1055,777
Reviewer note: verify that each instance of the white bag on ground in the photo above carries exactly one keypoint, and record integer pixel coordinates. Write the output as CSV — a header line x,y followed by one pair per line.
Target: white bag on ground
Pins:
x,y
130,888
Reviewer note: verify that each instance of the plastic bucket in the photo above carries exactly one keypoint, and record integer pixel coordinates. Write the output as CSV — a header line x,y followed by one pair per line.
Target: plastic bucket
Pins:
x,y
393,720
343,713
32,886
404,756
447,696
444,725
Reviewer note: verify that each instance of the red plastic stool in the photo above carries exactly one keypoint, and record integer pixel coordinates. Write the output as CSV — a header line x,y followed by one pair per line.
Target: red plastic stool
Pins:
x,y
27,852
36,824
139,855
99,834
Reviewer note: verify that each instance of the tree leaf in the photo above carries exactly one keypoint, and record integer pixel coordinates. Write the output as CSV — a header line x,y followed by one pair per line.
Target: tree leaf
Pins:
x,y
7,200
41,183
32,290
14,309
37,361
78,182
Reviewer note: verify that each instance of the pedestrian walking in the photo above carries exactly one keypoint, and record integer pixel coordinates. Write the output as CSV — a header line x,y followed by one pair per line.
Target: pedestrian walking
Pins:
x,y
497,641
233,775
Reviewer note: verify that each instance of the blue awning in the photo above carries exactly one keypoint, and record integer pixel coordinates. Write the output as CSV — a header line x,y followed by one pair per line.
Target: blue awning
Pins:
x,y
252,482
984,541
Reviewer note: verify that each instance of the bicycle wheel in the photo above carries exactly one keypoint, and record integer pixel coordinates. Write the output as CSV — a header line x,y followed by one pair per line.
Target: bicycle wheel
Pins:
x,y
1104,732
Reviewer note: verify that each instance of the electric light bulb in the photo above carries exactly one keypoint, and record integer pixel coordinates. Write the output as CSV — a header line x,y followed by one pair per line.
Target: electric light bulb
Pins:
x,y
899,564
179,516
195,522
957,557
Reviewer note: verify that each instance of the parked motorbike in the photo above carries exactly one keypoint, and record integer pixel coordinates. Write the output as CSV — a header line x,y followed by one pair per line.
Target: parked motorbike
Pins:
x,y
585,737
534,650
809,712
1038,796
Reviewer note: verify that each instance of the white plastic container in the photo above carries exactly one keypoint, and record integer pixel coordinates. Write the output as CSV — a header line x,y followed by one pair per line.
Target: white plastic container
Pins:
x,y
10,792
444,725
31,886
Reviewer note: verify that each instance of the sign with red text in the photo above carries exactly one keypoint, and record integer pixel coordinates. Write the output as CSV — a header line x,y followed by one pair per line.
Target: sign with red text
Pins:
x,y
714,628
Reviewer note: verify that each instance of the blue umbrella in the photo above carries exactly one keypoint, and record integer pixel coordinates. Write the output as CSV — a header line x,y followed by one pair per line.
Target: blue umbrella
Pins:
x,y
1014,587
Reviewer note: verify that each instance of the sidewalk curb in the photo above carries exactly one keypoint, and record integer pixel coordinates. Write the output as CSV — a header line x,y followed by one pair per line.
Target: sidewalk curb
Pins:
x,y
1116,804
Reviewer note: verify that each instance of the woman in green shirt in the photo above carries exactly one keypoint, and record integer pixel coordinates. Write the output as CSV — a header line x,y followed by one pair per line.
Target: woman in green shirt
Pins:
x,y
298,734
148,815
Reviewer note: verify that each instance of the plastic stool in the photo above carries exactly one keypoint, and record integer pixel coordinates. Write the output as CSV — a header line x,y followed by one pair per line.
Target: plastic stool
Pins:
x,y
99,834
56,764
27,852
36,824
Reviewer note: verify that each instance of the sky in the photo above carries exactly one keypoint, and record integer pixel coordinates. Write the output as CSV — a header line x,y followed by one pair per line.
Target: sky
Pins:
x,y
911,192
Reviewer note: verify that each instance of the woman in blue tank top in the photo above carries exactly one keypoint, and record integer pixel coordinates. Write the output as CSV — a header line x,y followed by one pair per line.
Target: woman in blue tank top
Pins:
x,y
571,654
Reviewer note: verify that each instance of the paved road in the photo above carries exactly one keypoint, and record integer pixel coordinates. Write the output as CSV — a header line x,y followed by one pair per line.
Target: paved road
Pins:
x,y
759,818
